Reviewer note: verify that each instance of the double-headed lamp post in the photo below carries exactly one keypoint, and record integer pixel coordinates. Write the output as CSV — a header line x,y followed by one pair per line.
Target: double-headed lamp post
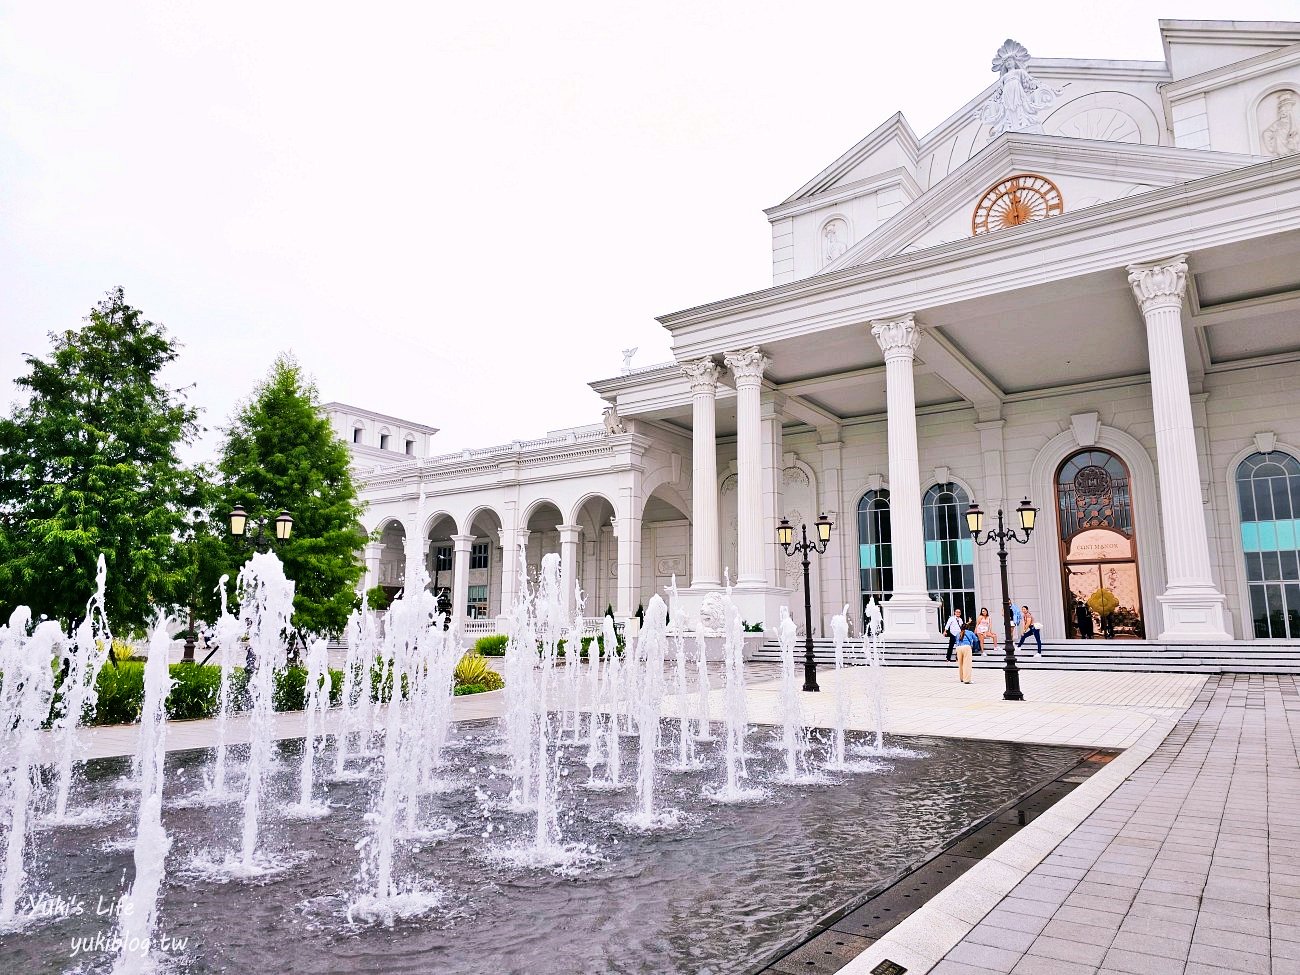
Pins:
x,y
975,523
261,540
785,535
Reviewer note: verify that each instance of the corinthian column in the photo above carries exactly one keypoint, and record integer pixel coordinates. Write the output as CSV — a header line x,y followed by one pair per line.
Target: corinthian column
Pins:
x,y
1193,606
705,556
747,366
910,614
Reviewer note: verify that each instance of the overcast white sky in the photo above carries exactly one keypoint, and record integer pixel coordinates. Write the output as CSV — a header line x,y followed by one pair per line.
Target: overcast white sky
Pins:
x,y
457,214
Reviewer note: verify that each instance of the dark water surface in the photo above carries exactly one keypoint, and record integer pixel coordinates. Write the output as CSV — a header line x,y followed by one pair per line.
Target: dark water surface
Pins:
x,y
713,896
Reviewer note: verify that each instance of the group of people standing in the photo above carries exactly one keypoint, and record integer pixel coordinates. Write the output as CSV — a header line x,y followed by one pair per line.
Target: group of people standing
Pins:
x,y
967,638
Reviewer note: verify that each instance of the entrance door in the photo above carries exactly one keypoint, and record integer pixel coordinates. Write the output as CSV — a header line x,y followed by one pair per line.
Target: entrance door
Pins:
x,y
1099,561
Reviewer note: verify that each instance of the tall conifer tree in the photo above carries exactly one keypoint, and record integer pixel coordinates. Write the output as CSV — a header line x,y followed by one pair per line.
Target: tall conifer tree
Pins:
x,y
88,464
280,452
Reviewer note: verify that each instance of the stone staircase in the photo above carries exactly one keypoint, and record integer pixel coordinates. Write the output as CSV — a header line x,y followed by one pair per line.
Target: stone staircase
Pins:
x,y
1136,655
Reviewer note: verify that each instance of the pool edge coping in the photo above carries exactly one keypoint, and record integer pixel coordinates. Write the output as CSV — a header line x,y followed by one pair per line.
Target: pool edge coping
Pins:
x,y
921,940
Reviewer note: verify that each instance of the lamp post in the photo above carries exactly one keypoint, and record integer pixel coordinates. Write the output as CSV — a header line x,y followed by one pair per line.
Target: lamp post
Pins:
x,y
785,536
262,540
975,524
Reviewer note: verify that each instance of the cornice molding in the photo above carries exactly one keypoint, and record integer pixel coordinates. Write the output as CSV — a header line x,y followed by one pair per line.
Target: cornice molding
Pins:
x,y
1048,155
1231,74
843,192
1094,221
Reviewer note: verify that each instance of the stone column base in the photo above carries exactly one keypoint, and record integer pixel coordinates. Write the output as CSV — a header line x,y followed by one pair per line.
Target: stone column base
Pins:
x,y
1195,616
910,619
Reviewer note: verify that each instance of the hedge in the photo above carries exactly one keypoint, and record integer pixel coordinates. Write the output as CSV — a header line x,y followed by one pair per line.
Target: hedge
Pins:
x,y
196,691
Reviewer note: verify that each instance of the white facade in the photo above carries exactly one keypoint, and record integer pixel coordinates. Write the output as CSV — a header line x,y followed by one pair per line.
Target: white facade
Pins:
x,y
1083,288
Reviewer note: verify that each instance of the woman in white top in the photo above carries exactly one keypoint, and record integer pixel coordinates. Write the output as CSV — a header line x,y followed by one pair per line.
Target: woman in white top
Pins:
x,y
984,630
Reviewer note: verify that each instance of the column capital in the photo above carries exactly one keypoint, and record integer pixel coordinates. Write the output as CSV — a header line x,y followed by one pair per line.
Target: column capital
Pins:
x,y
898,337
568,533
462,543
1160,284
703,374
747,365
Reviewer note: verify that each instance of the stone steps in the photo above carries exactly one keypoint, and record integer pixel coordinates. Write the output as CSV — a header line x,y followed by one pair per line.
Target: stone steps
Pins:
x,y
1087,655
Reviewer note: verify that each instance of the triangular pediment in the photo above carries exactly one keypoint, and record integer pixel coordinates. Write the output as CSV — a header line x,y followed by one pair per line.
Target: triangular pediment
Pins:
x,y
1086,172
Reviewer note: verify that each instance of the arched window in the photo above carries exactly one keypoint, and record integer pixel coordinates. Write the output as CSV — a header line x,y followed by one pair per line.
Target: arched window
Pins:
x,y
949,551
875,551
1092,491
1268,495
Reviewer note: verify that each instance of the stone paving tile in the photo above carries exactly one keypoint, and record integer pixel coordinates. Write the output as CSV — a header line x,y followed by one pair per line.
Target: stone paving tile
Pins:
x,y
1192,866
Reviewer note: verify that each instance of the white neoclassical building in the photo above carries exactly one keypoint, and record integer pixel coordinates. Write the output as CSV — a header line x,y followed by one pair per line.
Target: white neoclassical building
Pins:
x,y
1082,288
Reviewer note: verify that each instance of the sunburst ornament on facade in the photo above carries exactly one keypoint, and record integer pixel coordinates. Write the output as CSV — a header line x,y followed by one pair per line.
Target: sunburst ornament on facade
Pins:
x,y
1016,200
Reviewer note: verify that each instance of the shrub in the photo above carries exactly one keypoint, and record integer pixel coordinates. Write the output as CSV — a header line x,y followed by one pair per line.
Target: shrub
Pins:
x,y
492,681
469,689
378,598
492,645
196,692
470,669
120,691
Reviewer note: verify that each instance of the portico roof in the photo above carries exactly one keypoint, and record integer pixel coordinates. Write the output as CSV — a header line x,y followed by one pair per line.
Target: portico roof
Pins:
x,y
1037,307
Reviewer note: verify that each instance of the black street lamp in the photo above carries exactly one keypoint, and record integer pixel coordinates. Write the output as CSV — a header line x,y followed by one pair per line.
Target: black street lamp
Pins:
x,y
262,540
975,524
785,536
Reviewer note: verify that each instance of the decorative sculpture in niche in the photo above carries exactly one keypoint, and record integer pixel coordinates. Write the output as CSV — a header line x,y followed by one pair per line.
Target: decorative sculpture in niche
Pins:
x,y
835,240
1018,98
1282,136
613,425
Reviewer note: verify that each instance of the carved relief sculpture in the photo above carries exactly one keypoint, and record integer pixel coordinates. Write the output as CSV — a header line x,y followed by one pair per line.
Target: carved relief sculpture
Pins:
x,y
1018,98
835,241
1282,136
613,425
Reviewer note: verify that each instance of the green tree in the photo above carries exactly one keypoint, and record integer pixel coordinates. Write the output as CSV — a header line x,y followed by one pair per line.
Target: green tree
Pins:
x,y
280,452
88,464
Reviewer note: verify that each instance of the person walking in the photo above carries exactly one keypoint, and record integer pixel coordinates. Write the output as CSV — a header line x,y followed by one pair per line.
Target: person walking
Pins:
x,y
1030,629
984,630
966,641
1082,619
953,628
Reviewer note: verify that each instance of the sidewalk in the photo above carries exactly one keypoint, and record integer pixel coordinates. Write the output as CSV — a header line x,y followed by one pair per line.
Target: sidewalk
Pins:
x,y
1189,867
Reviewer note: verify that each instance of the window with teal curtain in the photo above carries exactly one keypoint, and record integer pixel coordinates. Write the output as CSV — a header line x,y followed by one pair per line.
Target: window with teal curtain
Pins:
x,y
875,550
949,551
1268,497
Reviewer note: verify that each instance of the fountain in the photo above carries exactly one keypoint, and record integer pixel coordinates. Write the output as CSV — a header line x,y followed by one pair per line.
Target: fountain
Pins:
x,y
316,702
485,896
612,689
138,909
703,727
355,694
736,716
686,760
873,648
265,605
840,635
227,634
794,736
650,654
82,659
25,697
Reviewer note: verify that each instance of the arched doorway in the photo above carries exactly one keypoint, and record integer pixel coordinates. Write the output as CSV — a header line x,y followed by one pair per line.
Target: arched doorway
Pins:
x,y
1099,559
